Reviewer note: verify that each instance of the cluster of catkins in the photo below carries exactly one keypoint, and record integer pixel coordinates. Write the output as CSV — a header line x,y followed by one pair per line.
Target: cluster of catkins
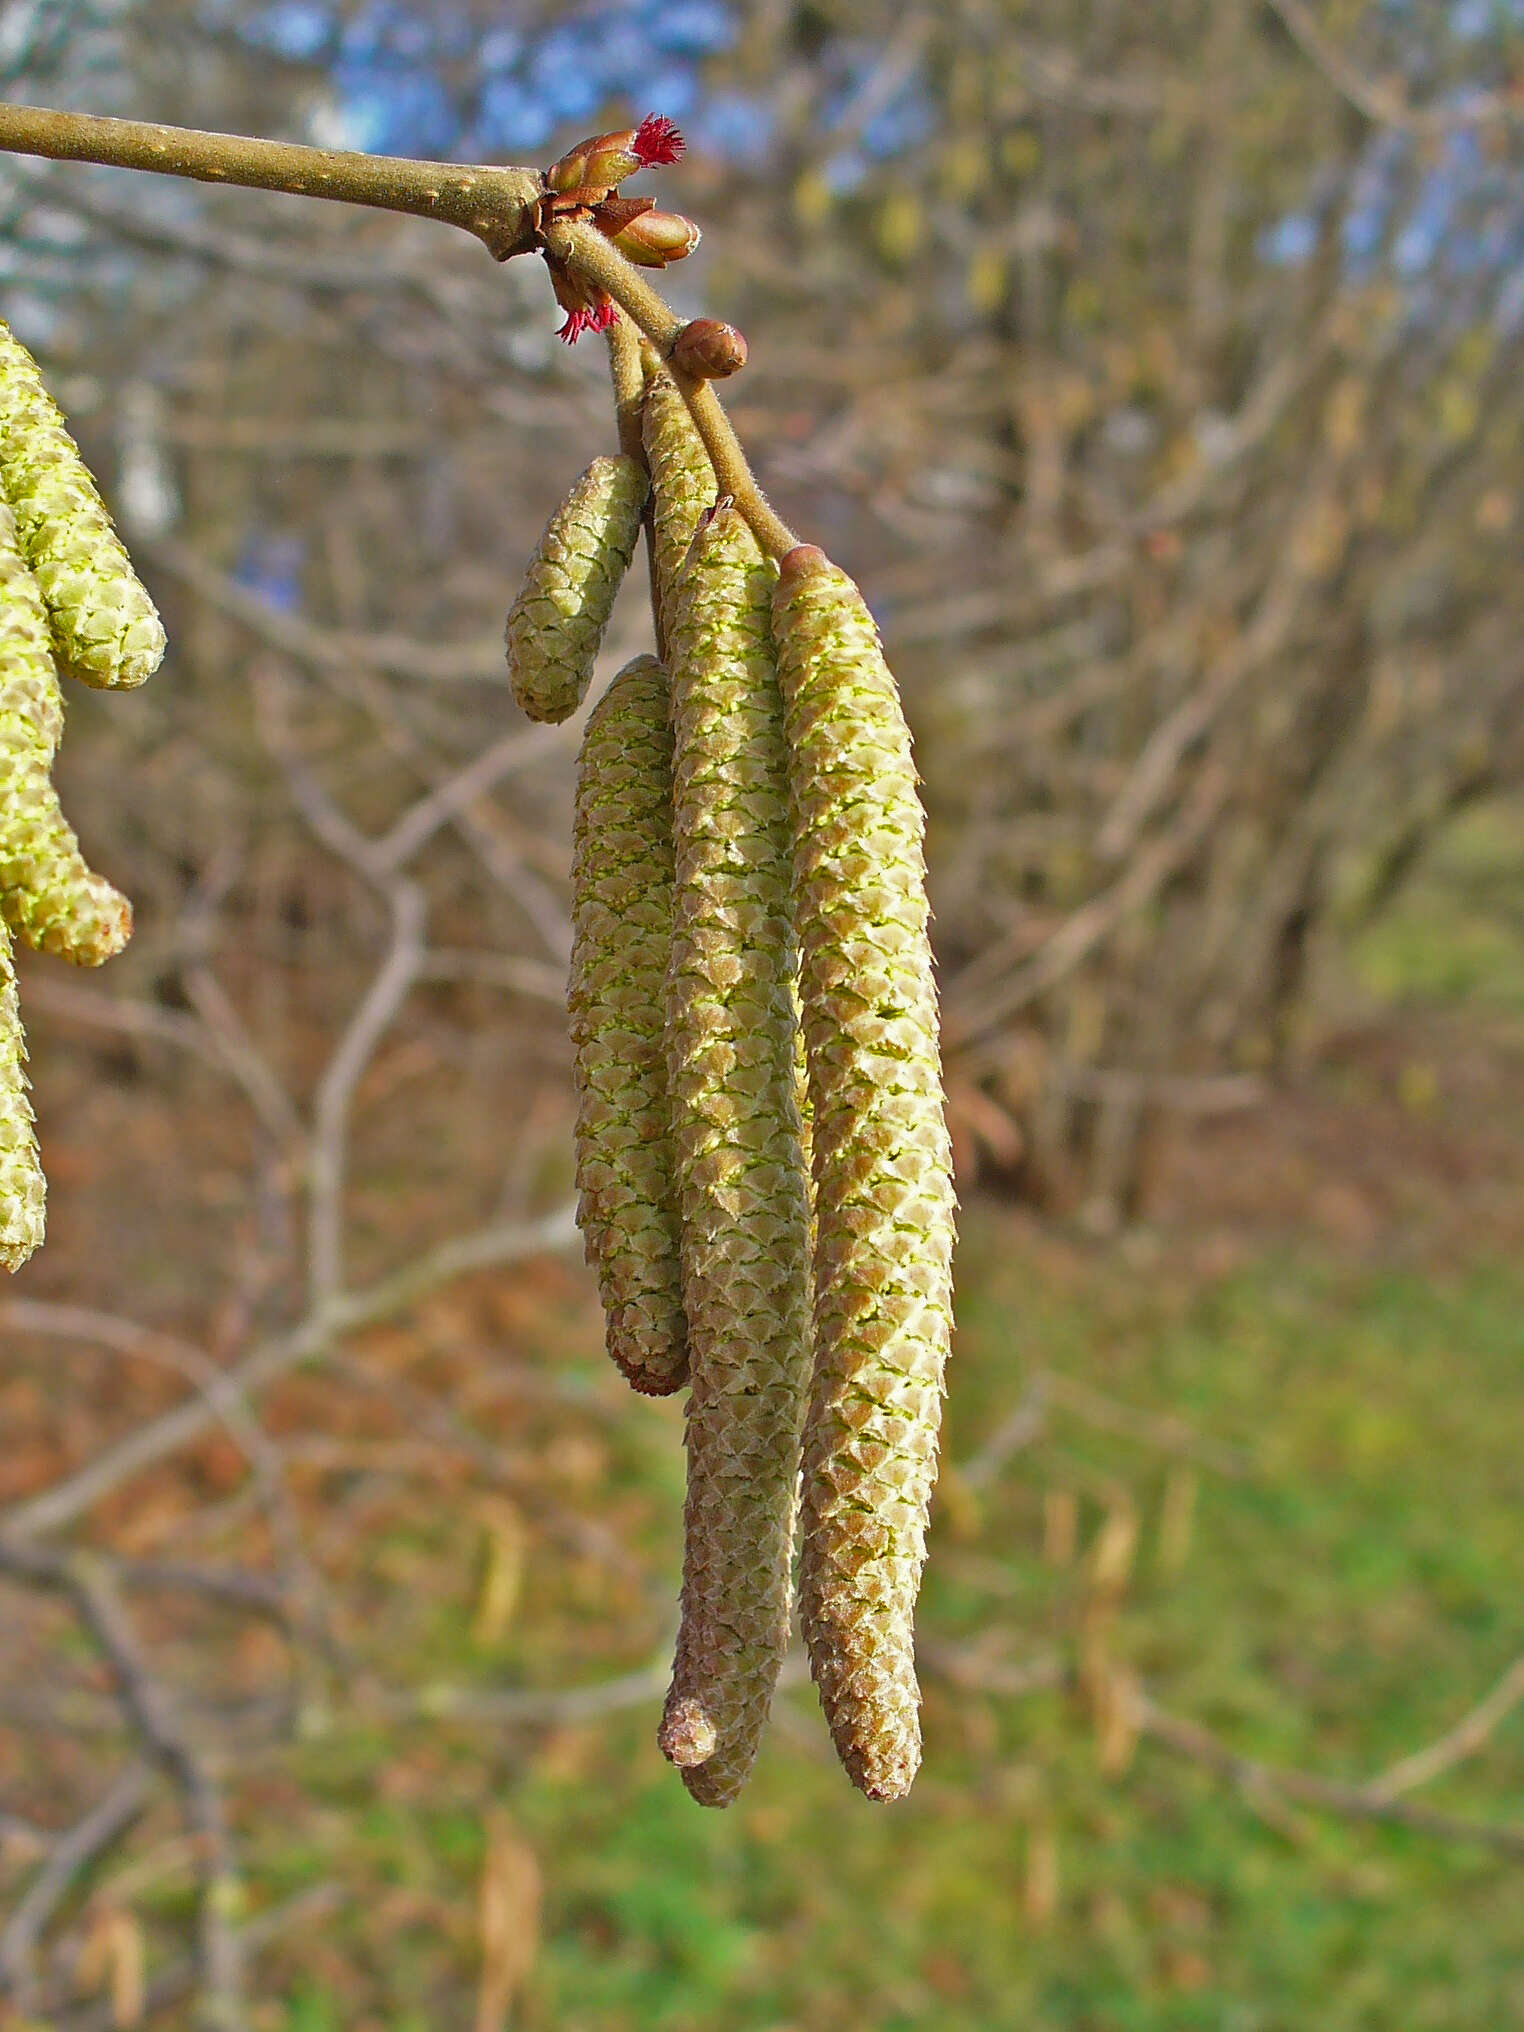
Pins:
x,y
762,1162
71,602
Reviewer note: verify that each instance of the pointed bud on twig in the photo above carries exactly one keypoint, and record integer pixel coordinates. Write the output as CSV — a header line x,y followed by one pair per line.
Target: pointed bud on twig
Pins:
x,y
557,622
709,350
882,1168
605,160
104,626
655,239
621,939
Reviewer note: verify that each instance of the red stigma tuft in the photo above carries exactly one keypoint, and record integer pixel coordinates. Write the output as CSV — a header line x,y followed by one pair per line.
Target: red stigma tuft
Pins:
x,y
657,140
597,319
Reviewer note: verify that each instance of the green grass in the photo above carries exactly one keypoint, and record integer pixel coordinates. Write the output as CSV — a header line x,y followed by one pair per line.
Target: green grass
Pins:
x,y
1455,933
1341,1603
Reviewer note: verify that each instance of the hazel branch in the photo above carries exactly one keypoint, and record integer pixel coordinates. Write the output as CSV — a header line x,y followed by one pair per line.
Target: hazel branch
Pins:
x,y
494,204
586,251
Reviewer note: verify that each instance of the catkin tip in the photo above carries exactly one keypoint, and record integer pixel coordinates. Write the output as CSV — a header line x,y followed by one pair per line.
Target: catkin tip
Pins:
x,y
687,1735
556,624
802,559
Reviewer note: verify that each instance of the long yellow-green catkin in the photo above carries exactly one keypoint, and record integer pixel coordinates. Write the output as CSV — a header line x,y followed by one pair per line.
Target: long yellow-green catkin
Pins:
x,y
23,1190
882,1169
104,626
682,485
743,1195
621,939
48,894
556,624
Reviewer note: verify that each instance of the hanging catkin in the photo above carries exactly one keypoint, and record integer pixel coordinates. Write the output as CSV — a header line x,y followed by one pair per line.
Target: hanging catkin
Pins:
x,y
622,936
882,1168
49,896
23,1190
742,1191
682,485
556,624
104,626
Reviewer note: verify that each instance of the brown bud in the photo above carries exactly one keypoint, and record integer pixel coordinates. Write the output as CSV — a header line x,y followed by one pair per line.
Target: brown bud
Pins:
x,y
605,160
709,350
656,238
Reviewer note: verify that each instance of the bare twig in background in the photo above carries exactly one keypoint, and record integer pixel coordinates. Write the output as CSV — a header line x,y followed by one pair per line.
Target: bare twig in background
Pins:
x,y
66,1857
1468,1736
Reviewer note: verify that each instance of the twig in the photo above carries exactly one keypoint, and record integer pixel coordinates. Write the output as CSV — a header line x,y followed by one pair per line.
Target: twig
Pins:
x,y
499,1243
450,797
495,970
586,250
1385,108
511,1709
328,1159
1026,1423
971,1019
147,1705
1169,1435
1355,1802
494,204
326,648
218,1388
1452,1748
303,1909
66,1858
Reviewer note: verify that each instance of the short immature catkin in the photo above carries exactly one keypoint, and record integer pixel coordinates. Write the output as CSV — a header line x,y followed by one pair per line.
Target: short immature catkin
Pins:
x,y
23,1189
48,895
682,484
882,1168
742,1190
104,626
621,939
556,624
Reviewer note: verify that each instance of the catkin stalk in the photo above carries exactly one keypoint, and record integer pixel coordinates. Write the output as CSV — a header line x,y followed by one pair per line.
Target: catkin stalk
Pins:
x,y
105,628
48,895
556,624
882,1169
682,486
621,939
742,1189
23,1189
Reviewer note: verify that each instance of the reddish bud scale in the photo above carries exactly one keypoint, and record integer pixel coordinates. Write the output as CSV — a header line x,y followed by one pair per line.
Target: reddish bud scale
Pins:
x,y
605,160
708,350
656,239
